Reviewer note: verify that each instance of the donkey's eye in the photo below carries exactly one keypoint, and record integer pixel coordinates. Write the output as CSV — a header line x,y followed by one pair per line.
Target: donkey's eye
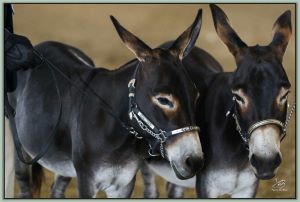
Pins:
x,y
284,97
165,101
239,98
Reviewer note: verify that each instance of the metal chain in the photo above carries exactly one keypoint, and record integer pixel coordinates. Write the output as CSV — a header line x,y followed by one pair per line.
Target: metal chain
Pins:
x,y
290,115
160,136
162,150
238,127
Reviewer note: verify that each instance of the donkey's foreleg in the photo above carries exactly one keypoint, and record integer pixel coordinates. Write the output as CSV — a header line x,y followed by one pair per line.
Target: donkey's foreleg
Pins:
x,y
86,184
150,188
204,188
59,186
22,172
174,191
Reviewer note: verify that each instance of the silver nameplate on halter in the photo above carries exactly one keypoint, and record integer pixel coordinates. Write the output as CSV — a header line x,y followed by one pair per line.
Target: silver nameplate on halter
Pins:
x,y
145,120
185,129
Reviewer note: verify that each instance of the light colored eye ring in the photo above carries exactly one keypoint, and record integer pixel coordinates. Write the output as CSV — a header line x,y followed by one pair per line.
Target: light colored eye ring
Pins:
x,y
171,103
239,99
284,98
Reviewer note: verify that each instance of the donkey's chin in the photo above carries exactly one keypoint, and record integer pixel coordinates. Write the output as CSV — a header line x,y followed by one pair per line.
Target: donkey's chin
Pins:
x,y
264,172
265,175
181,173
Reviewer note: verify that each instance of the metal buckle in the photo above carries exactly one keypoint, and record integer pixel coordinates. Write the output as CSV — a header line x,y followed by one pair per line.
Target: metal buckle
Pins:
x,y
131,83
130,115
162,136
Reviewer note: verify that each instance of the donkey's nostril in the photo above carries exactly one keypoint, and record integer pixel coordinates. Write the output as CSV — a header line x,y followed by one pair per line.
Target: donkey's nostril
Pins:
x,y
189,162
195,164
277,160
253,160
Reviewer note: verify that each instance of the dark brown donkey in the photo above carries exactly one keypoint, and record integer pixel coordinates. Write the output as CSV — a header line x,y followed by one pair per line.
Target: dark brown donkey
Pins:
x,y
243,117
245,147
104,134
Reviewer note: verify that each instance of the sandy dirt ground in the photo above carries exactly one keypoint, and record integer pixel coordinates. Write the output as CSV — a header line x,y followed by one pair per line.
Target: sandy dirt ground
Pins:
x,y
89,28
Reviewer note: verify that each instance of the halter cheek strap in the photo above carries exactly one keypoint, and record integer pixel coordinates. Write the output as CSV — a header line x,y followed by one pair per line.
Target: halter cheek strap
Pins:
x,y
145,126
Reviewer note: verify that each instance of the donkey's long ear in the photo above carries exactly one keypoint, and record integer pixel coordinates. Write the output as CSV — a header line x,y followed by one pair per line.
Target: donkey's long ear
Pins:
x,y
282,32
226,33
137,46
186,41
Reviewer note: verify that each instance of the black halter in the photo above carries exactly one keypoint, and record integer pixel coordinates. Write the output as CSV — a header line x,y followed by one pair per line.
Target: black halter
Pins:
x,y
246,133
145,126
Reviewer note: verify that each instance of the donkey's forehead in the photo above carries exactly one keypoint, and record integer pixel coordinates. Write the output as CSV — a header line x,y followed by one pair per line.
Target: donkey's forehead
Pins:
x,y
259,72
258,49
163,55
163,61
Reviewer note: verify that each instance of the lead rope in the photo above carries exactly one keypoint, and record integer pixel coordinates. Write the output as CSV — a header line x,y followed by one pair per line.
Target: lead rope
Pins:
x,y
18,146
11,113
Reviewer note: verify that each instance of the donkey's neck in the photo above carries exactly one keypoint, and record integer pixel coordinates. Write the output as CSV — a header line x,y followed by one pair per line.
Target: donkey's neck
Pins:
x,y
112,87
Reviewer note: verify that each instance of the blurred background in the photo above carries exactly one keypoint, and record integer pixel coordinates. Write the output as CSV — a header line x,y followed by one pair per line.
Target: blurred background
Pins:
x,y
88,27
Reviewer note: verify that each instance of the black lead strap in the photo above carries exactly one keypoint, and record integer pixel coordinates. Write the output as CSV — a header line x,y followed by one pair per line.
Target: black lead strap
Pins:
x,y
11,114
107,108
19,148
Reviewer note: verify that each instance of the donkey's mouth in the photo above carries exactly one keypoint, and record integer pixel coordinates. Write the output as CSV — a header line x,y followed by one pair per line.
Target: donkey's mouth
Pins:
x,y
265,176
181,175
